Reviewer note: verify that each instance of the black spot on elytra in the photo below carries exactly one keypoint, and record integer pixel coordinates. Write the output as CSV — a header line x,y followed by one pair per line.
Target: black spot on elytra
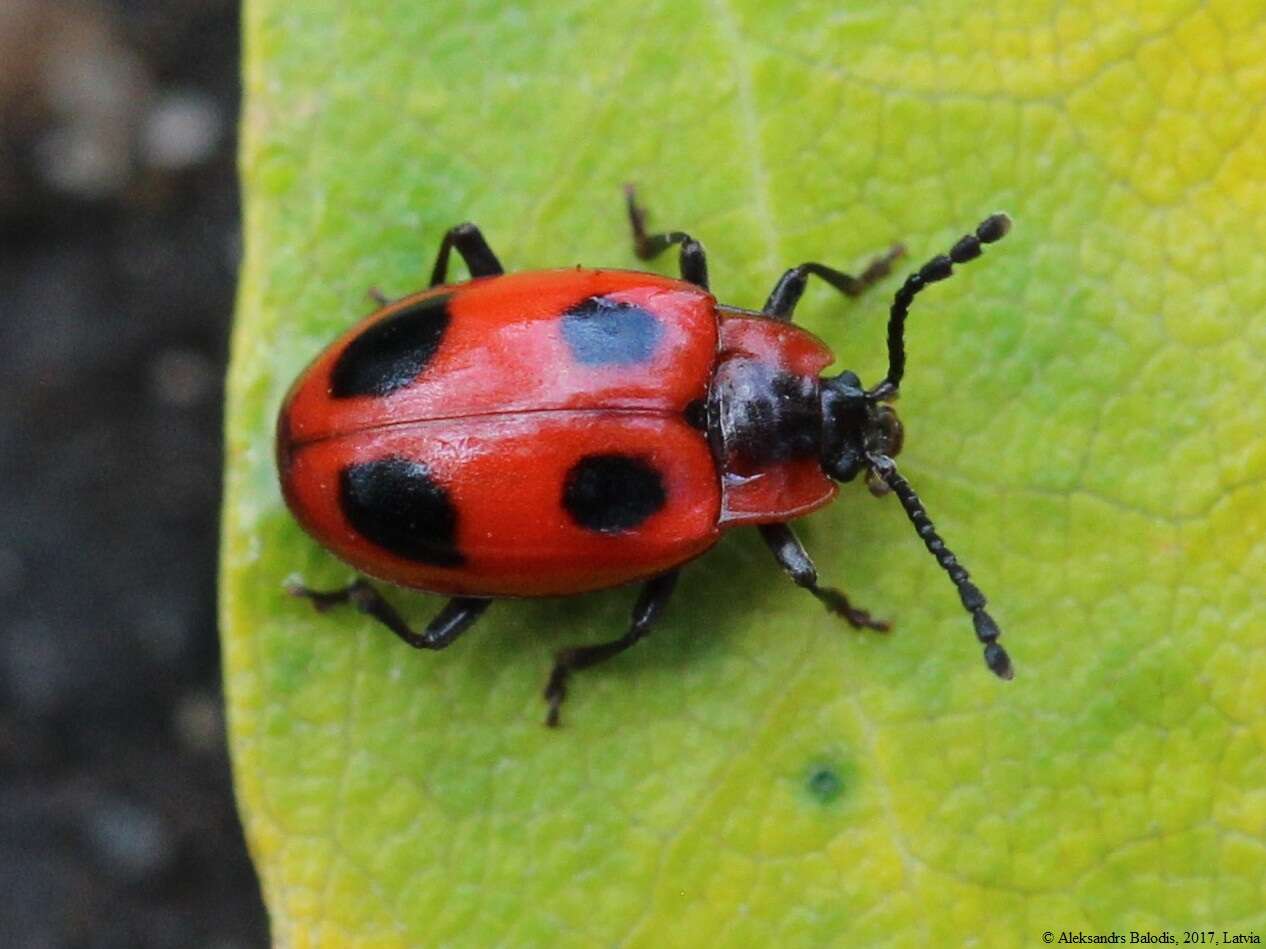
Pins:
x,y
392,352
612,493
601,331
397,504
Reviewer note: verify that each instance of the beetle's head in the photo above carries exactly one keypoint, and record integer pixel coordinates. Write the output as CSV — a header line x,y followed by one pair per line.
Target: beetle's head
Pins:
x,y
855,426
860,432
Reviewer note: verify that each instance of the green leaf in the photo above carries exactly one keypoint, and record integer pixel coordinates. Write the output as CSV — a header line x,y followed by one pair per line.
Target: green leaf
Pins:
x,y
1084,418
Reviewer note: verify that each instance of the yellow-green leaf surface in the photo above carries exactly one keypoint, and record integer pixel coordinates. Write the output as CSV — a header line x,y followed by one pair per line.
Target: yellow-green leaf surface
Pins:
x,y
1084,417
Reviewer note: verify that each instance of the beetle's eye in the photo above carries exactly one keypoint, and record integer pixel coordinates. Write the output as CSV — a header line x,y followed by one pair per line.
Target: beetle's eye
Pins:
x,y
875,484
894,431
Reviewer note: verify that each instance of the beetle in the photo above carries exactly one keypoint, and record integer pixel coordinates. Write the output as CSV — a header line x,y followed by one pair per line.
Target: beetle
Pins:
x,y
560,431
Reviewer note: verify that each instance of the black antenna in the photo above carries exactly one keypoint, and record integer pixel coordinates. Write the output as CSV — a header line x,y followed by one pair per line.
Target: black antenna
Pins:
x,y
992,228
987,631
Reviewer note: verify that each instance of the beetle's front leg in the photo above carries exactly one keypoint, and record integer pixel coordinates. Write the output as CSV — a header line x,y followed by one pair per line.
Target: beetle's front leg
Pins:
x,y
790,286
793,558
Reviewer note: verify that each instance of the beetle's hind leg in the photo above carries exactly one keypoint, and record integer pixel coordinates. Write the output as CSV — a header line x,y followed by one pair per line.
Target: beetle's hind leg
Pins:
x,y
470,243
791,555
650,603
454,619
790,286
694,260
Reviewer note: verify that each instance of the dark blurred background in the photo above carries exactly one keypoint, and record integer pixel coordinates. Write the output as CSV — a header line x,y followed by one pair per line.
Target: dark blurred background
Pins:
x,y
118,251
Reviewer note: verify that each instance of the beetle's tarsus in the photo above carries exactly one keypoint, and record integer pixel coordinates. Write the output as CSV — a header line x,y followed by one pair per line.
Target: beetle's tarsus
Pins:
x,y
838,604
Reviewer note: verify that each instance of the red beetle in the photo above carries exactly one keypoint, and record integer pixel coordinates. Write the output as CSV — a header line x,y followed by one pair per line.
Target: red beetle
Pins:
x,y
561,431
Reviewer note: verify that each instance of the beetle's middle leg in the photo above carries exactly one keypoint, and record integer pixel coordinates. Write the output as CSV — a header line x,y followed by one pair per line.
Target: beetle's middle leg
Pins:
x,y
790,286
650,603
694,261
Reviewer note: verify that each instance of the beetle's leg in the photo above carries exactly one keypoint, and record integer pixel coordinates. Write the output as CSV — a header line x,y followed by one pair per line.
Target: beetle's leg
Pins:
x,y
650,603
791,555
448,624
694,261
378,296
470,243
790,286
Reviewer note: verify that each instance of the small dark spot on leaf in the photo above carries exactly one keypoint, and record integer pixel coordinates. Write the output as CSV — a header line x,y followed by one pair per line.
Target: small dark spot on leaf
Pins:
x,y
825,784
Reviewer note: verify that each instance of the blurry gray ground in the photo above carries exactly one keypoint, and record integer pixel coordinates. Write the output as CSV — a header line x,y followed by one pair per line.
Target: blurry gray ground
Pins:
x,y
118,247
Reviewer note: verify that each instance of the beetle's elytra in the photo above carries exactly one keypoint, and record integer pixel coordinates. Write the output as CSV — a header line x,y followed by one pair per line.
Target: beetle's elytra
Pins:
x,y
559,431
